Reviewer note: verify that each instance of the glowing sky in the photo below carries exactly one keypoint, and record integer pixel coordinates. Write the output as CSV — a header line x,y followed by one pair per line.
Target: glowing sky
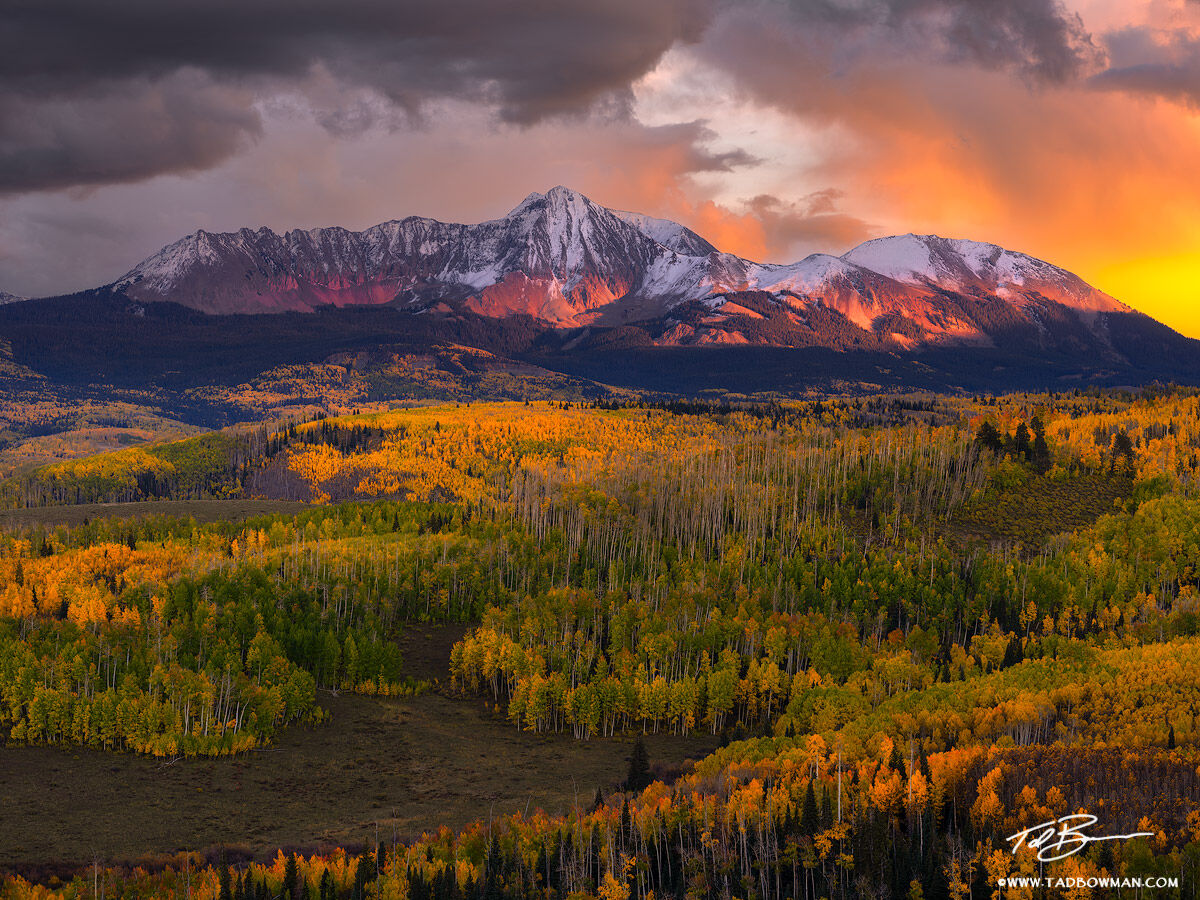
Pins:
x,y
775,128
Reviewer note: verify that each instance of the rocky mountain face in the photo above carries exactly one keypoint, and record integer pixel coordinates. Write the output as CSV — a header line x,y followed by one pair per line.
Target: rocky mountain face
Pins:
x,y
568,263
556,257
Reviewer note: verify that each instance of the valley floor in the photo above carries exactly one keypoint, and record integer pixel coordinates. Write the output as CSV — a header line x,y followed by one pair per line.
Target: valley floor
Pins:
x,y
407,766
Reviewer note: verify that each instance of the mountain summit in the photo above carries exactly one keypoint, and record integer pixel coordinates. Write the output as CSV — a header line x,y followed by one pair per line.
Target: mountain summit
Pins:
x,y
567,262
562,284
555,256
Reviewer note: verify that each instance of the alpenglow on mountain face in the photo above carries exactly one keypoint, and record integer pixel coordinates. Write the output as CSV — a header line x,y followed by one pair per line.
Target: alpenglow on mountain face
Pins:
x,y
567,262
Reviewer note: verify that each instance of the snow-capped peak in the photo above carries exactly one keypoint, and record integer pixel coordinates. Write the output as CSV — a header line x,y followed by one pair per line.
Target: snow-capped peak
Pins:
x,y
809,275
670,234
963,265
557,197
525,205
905,257
563,259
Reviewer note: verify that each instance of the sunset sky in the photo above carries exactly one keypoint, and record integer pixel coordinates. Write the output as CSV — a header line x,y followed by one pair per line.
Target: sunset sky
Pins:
x,y
1070,131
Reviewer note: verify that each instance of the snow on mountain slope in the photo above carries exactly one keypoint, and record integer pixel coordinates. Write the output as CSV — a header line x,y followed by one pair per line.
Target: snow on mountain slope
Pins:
x,y
566,261
812,274
858,293
862,295
971,265
6,297
555,256
670,234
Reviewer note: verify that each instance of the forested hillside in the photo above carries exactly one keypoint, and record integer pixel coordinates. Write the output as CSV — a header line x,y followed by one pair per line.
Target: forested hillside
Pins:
x,y
917,625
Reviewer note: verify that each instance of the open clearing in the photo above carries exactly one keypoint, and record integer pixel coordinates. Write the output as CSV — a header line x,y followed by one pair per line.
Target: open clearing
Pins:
x,y
409,765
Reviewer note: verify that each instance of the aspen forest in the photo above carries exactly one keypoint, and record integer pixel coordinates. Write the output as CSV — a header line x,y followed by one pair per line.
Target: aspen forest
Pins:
x,y
905,627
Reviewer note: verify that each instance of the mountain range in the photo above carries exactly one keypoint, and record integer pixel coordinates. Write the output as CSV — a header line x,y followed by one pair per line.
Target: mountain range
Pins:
x,y
568,262
598,293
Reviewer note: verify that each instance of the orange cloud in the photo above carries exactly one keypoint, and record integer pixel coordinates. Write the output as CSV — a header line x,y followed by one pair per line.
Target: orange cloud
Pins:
x,y
742,234
1102,185
1012,143
1100,182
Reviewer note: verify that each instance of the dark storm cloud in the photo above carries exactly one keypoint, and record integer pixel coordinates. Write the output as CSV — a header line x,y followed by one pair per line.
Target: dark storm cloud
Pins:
x,y
97,93
1153,63
1040,39
530,59
535,57
120,133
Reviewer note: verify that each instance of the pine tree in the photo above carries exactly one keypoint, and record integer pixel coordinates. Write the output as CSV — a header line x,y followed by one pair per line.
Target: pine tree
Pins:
x,y
1012,653
541,872
809,820
988,437
896,760
1022,442
826,810
364,874
1041,454
638,778
291,875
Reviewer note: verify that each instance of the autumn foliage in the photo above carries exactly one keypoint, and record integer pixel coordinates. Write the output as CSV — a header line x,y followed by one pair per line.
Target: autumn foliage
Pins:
x,y
901,677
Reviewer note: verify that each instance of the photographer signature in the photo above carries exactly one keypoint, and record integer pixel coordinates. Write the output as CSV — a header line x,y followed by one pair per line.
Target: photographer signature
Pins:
x,y
1064,837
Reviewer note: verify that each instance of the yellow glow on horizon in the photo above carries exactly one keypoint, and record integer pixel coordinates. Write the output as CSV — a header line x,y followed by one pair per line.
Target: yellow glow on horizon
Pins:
x,y
1165,288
